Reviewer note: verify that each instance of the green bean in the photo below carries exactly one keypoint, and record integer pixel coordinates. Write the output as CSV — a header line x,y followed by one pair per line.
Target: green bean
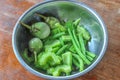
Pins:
x,y
55,49
58,35
66,38
78,50
90,54
76,22
90,58
75,38
75,62
81,64
61,49
61,41
81,42
72,49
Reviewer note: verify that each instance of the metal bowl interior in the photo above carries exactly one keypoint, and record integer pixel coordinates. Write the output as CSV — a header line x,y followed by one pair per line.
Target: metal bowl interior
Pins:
x,y
65,10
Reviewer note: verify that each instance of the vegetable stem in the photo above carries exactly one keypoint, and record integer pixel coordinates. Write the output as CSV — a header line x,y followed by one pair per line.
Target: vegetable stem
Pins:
x,y
35,54
25,25
41,16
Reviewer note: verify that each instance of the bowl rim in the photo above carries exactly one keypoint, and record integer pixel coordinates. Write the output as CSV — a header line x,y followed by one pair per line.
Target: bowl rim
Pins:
x,y
26,66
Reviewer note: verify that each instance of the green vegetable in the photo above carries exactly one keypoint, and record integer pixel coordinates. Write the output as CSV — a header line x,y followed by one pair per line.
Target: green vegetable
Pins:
x,y
55,31
50,20
55,43
35,46
58,35
72,49
90,58
50,70
84,32
81,66
61,41
67,58
90,54
56,71
75,62
39,29
52,44
49,58
60,27
75,45
81,42
77,22
75,38
62,49
66,38
26,57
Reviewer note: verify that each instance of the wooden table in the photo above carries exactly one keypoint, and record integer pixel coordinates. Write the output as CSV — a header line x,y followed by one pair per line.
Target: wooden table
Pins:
x,y
107,69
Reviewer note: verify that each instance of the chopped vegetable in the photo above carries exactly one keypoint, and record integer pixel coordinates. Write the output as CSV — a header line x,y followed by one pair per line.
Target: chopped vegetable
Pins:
x,y
59,49
49,58
59,69
67,58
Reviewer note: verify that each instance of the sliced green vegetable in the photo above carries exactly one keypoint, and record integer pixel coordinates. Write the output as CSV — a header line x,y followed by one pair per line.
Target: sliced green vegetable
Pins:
x,y
66,38
49,58
67,58
84,32
61,68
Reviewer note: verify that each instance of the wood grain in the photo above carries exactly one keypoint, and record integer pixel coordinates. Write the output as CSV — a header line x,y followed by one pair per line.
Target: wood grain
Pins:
x,y
107,69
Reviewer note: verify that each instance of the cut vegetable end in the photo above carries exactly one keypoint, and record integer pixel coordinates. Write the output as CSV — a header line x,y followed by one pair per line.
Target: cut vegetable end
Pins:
x,y
91,54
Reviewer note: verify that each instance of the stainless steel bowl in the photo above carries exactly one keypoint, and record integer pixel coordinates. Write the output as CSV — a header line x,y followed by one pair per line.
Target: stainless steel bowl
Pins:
x,y
66,10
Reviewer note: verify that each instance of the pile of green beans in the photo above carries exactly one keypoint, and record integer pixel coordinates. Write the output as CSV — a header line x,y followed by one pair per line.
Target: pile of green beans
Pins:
x,y
57,48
